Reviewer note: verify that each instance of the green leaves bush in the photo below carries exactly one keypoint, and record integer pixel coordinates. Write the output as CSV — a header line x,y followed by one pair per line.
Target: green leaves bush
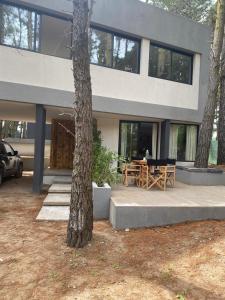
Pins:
x,y
104,163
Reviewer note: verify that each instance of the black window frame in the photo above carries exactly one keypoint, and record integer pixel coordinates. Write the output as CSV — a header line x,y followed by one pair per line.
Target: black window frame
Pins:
x,y
172,50
128,37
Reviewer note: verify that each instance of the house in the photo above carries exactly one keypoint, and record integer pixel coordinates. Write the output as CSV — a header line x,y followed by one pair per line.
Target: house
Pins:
x,y
149,73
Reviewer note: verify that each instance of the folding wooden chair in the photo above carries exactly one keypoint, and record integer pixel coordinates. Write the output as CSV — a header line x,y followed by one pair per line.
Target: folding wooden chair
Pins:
x,y
144,177
171,175
158,176
159,180
131,171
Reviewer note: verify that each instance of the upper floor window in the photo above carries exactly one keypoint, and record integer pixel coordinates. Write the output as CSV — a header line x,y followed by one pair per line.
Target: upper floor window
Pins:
x,y
19,27
111,50
170,64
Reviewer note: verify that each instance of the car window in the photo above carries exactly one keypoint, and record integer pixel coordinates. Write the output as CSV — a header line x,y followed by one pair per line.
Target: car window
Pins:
x,y
9,149
2,149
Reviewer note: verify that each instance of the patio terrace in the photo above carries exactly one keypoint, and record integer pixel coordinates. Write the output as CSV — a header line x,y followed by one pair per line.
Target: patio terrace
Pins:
x,y
133,207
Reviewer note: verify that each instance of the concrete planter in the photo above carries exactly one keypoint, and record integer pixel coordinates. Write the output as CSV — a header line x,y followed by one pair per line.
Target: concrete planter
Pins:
x,y
200,176
101,201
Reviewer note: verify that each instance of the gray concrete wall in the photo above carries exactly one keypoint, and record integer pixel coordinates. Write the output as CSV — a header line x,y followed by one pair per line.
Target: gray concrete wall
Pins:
x,y
205,178
138,217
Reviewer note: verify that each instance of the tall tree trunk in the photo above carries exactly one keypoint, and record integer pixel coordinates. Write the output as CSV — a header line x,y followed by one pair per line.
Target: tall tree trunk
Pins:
x,y
221,119
1,125
29,30
1,24
205,134
80,225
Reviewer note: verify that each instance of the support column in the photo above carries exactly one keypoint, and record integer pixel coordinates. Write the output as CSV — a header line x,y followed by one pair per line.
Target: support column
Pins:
x,y
165,139
39,148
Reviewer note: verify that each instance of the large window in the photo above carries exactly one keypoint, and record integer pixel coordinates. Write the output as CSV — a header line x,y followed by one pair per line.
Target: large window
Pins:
x,y
19,27
56,37
183,142
111,50
136,138
170,64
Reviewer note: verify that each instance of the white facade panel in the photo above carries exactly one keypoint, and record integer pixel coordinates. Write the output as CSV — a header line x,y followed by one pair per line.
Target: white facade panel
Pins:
x,y
109,132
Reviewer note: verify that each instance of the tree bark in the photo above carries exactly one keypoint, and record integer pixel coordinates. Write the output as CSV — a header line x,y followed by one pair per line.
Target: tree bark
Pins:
x,y
1,24
80,225
1,136
221,119
206,128
29,30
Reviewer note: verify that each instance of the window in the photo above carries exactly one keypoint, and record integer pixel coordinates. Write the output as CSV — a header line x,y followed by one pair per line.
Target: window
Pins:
x,y
111,50
2,149
56,37
136,138
125,54
181,67
8,149
183,142
101,48
19,28
170,64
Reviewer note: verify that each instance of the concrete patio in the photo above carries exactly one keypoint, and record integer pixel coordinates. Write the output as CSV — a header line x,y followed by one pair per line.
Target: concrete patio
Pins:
x,y
133,207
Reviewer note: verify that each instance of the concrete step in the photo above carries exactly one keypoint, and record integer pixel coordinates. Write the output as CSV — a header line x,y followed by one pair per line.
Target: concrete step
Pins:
x,y
63,179
58,199
53,213
58,188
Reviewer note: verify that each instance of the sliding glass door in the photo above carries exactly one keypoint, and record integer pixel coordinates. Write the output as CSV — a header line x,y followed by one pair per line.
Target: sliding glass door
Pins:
x,y
136,138
183,142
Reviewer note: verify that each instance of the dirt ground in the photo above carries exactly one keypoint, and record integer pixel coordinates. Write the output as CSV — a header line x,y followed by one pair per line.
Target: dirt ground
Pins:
x,y
179,262
221,167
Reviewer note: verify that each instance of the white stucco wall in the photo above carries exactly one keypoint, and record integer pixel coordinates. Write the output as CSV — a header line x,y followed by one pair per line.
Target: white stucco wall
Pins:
x,y
35,69
109,132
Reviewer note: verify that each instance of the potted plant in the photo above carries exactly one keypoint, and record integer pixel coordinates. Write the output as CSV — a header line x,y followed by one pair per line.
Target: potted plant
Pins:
x,y
104,174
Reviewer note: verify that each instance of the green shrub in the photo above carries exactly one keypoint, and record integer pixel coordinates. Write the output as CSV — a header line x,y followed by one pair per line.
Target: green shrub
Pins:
x,y
104,163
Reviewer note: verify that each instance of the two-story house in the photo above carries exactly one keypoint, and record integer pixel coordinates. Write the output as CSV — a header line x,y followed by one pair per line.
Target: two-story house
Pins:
x,y
149,72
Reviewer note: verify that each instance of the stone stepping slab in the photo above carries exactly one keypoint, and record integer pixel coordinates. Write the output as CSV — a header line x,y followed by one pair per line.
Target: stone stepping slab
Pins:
x,y
53,213
63,179
58,188
58,199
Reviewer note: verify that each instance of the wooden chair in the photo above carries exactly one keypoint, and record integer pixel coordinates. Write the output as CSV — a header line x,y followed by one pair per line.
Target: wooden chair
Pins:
x,y
131,171
144,176
167,174
159,180
171,175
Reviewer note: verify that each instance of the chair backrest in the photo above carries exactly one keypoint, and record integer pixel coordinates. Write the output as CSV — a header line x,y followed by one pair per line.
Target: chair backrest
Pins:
x,y
138,157
152,162
171,161
162,162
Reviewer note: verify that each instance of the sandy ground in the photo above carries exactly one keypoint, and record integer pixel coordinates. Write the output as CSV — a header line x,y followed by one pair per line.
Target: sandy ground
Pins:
x,y
180,262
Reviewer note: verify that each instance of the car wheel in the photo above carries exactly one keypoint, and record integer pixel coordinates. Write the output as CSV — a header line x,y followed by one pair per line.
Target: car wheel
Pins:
x,y
1,177
19,172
